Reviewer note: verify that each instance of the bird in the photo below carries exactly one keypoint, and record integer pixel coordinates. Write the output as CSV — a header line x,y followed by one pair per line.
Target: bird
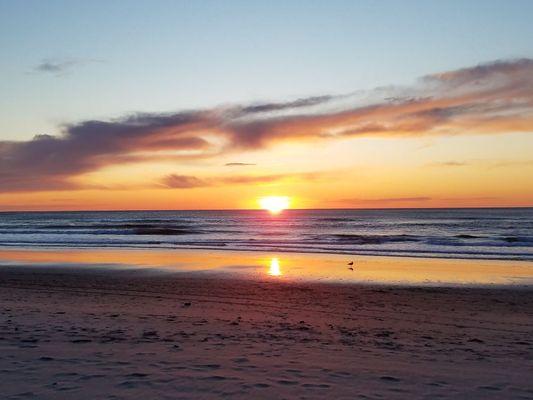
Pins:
x,y
350,263
350,268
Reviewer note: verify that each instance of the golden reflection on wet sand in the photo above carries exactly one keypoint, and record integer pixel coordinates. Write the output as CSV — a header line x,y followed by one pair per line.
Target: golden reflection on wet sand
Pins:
x,y
289,266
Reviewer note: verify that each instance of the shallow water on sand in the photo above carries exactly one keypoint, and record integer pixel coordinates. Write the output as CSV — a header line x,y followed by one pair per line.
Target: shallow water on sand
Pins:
x,y
283,267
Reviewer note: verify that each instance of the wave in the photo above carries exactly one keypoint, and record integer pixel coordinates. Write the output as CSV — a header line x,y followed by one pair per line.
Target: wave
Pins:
x,y
465,236
464,233
162,231
373,239
397,252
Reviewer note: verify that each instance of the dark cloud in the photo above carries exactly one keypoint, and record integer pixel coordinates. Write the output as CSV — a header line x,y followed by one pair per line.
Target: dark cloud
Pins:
x,y
490,98
300,103
48,162
54,67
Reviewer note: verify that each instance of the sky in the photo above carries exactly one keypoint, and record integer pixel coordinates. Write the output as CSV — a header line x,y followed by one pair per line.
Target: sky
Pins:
x,y
211,105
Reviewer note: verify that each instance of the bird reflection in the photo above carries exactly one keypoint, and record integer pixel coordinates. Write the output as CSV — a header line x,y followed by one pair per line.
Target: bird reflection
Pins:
x,y
274,269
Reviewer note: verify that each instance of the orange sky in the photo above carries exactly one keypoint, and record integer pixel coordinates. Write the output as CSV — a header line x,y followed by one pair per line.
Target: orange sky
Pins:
x,y
458,171
461,138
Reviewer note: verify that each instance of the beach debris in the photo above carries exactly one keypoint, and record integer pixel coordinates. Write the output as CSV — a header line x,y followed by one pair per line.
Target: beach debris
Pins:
x,y
187,304
350,268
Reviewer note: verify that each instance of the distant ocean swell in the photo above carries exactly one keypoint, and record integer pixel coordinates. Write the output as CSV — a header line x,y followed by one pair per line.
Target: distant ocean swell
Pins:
x,y
459,233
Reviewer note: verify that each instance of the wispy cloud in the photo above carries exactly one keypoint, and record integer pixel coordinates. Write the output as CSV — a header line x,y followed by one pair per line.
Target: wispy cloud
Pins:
x,y
484,163
175,181
290,105
408,201
491,98
509,163
384,200
238,164
463,199
449,164
61,67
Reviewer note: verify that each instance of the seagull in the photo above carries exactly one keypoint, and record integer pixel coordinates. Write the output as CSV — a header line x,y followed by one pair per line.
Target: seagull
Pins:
x,y
350,263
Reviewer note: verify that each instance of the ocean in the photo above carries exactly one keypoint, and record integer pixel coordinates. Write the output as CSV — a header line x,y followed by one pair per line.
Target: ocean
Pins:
x,y
442,233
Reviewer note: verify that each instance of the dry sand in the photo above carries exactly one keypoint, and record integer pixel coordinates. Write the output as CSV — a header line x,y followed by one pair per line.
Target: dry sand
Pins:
x,y
95,334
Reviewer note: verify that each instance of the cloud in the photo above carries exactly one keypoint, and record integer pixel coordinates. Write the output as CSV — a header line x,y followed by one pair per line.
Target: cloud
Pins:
x,y
485,163
490,98
49,162
238,164
449,164
61,67
385,200
505,164
300,103
463,199
493,98
175,181
401,201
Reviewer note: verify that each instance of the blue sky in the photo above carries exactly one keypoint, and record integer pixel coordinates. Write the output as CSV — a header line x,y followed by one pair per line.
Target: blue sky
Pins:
x,y
159,56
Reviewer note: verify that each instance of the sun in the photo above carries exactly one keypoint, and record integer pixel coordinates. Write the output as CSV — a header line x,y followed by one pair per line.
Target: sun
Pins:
x,y
274,204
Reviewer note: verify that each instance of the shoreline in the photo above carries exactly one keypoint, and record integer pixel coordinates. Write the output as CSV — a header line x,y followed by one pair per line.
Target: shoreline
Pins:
x,y
369,253
284,267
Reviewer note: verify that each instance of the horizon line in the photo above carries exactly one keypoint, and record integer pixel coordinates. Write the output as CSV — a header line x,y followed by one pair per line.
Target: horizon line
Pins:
x,y
286,210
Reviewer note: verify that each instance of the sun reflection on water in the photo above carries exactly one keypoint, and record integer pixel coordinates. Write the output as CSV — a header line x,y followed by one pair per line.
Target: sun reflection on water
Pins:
x,y
274,269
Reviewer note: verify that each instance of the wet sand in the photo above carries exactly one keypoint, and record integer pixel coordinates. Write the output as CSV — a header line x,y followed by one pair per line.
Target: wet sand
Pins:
x,y
286,267
92,333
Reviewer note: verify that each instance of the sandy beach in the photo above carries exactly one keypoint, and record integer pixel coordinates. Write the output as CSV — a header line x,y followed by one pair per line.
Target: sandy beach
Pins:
x,y
93,333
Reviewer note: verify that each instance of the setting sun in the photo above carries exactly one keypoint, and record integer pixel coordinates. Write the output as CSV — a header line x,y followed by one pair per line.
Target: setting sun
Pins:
x,y
274,204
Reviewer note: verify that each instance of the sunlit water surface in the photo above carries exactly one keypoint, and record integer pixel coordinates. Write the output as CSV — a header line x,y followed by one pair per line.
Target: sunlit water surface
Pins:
x,y
444,233
282,267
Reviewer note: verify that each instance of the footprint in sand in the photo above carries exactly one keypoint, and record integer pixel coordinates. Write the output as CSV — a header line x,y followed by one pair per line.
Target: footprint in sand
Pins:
x,y
389,378
494,388
240,360
207,367
286,382
316,385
